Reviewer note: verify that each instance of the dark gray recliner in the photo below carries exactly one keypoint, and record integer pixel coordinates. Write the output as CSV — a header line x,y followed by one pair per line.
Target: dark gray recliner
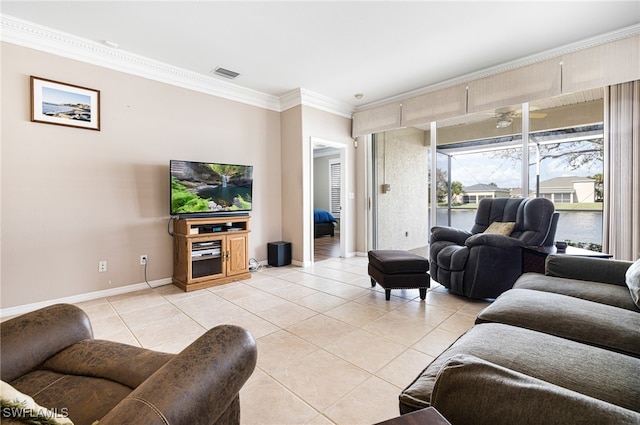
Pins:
x,y
482,265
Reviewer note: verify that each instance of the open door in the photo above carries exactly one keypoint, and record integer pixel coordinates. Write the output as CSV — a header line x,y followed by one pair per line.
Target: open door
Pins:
x,y
328,188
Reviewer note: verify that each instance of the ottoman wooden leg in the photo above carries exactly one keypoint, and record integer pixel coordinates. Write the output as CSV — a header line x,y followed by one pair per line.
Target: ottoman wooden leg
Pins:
x,y
387,294
373,282
423,293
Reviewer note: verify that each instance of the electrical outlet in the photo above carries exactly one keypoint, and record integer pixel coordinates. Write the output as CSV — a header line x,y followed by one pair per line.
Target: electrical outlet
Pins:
x,y
102,266
143,259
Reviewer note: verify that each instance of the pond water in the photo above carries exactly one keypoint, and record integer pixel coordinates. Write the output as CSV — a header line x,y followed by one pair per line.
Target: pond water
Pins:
x,y
576,226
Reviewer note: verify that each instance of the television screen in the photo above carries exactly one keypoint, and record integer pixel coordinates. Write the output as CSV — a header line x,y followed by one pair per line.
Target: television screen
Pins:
x,y
210,188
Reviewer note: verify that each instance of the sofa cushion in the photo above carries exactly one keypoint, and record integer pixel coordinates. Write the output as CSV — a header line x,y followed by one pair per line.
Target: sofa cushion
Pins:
x,y
84,398
605,293
587,268
592,371
501,228
632,279
17,405
530,401
567,317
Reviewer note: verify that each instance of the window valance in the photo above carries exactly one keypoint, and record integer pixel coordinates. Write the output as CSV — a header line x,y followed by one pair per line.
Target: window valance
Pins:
x,y
382,118
446,103
537,81
599,66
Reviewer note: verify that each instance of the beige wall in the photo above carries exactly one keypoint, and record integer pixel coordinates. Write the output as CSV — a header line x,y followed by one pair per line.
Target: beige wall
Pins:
x,y
292,187
72,197
300,125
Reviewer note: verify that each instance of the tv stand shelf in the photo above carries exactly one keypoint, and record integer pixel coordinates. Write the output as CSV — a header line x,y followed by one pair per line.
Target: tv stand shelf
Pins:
x,y
210,251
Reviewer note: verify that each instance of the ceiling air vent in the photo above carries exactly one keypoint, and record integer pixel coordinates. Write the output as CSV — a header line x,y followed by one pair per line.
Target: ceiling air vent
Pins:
x,y
225,73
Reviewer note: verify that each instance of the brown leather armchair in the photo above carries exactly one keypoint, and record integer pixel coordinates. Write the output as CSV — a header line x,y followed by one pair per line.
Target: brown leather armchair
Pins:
x,y
50,354
477,264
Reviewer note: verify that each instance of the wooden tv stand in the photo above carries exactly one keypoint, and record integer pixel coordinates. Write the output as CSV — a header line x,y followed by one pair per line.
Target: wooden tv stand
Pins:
x,y
210,251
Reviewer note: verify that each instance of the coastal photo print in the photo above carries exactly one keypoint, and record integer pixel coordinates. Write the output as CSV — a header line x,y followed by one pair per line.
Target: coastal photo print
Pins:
x,y
58,103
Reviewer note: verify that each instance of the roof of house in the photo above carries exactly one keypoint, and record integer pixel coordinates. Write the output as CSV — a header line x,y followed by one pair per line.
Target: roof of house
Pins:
x,y
567,182
481,187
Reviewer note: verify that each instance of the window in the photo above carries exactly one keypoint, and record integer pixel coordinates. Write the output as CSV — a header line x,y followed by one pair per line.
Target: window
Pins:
x,y
563,198
335,180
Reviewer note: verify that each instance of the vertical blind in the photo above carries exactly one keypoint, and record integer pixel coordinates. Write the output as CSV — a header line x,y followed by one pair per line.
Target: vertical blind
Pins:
x,y
335,171
622,172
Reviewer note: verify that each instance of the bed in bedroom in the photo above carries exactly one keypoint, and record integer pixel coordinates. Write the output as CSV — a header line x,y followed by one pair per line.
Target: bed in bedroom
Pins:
x,y
324,223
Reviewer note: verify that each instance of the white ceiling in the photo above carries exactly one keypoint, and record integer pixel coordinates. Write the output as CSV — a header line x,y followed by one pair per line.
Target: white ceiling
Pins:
x,y
337,49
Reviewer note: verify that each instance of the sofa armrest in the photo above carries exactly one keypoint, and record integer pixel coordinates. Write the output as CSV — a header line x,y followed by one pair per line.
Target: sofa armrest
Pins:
x,y
30,339
125,364
451,234
472,391
494,240
196,386
586,268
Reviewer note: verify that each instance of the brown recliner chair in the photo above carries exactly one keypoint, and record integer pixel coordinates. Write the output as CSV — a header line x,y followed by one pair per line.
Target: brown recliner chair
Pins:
x,y
50,355
481,265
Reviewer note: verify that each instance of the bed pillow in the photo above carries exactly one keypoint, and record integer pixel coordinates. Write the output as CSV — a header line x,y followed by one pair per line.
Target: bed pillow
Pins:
x,y
500,228
632,279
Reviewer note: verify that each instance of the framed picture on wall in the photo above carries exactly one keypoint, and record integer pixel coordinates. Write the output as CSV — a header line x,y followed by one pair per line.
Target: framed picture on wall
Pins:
x,y
58,103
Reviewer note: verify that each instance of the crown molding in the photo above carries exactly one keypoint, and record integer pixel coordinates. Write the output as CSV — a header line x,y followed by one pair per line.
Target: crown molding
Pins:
x,y
34,36
301,96
557,52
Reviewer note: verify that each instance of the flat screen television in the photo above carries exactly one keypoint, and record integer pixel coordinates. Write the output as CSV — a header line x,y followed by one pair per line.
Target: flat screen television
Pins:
x,y
200,189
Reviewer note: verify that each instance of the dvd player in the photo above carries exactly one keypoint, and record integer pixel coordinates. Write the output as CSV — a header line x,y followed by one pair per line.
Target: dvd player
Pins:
x,y
204,252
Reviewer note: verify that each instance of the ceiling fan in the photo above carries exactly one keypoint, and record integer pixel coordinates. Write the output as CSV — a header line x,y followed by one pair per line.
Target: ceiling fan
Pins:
x,y
504,117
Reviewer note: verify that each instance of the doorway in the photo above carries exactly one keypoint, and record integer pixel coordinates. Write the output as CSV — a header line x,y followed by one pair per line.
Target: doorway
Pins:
x,y
328,200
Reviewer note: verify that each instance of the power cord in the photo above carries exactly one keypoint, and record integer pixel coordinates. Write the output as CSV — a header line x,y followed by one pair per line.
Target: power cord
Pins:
x,y
146,263
170,226
254,266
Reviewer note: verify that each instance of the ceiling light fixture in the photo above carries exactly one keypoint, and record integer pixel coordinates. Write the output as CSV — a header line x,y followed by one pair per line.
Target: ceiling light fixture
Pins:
x,y
504,122
225,73
358,96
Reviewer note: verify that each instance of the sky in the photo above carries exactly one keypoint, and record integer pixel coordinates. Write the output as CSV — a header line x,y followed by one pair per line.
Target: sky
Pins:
x,y
59,97
470,169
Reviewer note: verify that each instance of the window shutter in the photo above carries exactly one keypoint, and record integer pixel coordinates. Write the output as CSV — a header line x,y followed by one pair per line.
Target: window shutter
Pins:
x,y
334,184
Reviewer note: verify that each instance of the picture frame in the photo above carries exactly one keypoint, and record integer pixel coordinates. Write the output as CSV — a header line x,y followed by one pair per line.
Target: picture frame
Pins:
x,y
54,102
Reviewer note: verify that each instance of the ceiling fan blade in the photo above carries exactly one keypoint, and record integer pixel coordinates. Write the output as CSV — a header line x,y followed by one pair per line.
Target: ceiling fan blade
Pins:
x,y
534,115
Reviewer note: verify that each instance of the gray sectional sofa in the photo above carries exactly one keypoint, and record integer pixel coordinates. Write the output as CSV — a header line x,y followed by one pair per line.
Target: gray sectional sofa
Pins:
x,y
559,348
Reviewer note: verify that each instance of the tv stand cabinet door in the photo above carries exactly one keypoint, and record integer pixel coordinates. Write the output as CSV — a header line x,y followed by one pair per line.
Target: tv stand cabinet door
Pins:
x,y
238,249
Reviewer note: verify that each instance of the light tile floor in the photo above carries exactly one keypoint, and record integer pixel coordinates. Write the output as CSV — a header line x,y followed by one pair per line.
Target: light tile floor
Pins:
x,y
331,349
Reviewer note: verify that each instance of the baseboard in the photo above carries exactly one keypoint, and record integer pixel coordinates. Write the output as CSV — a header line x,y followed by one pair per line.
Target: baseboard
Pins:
x,y
21,309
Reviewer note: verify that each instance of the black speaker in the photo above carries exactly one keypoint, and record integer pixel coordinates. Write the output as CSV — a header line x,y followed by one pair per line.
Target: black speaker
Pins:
x,y
279,253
